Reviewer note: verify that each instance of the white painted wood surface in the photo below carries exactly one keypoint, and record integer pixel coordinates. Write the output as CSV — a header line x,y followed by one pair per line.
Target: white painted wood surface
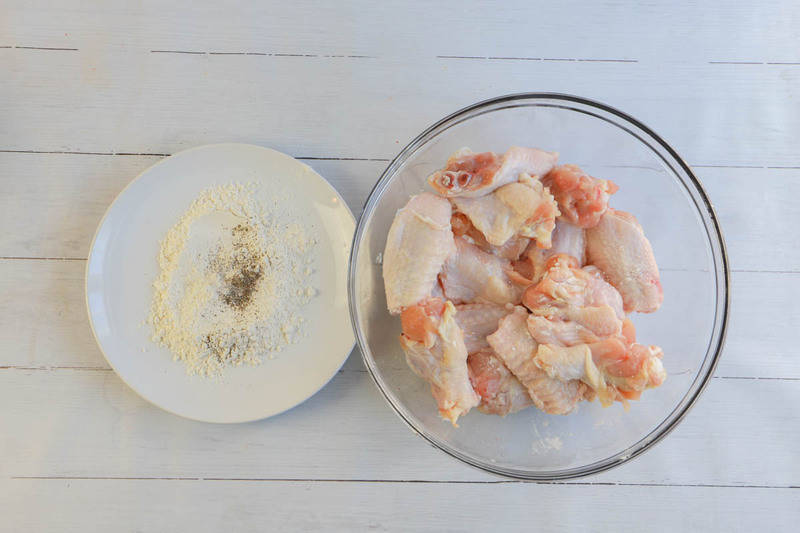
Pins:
x,y
91,93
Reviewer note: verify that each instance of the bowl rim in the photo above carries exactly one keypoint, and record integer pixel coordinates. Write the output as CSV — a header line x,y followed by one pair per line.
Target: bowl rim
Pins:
x,y
723,300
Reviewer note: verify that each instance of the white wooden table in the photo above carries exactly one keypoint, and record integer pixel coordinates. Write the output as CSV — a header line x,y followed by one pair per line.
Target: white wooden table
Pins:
x,y
91,93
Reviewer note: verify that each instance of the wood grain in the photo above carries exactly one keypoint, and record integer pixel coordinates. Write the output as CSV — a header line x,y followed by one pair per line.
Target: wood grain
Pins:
x,y
45,321
71,192
143,102
84,80
662,30
121,435
137,505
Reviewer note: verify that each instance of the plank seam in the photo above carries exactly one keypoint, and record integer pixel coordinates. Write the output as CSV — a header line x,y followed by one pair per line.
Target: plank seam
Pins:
x,y
76,152
47,48
520,58
156,154
109,369
380,159
413,481
23,258
263,54
754,62
759,167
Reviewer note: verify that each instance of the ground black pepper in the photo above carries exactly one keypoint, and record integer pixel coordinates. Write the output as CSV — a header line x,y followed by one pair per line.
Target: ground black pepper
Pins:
x,y
246,270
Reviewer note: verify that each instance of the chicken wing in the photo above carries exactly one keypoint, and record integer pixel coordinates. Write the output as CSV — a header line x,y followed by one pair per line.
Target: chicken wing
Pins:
x,y
444,365
501,393
472,275
512,249
525,207
514,345
470,175
570,294
512,229
614,370
560,332
418,243
420,322
581,198
567,239
476,322
618,247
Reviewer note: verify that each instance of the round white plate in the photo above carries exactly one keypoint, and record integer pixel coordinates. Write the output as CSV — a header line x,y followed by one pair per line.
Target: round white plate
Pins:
x,y
123,264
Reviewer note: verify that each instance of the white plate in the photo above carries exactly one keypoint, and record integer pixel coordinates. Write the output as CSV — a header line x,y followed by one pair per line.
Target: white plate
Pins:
x,y
122,266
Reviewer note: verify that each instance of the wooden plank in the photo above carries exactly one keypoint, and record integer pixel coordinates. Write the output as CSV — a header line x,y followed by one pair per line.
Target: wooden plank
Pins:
x,y
114,94
67,197
70,193
123,436
660,30
43,321
762,238
160,103
137,505
43,317
758,338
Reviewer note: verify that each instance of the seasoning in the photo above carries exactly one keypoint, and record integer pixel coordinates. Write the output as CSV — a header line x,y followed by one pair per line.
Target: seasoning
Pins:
x,y
245,270
234,278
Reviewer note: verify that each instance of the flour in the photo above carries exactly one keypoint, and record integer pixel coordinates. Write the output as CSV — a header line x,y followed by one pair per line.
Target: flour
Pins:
x,y
233,280
544,443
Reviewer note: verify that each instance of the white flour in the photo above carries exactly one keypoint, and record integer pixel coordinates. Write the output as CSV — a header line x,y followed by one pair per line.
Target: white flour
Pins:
x,y
233,280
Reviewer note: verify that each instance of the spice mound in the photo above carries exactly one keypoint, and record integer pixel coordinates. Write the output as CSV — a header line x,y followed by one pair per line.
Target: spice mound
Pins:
x,y
234,279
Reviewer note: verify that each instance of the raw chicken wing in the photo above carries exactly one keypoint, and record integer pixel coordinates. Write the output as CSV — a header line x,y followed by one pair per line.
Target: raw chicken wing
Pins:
x,y
513,283
420,322
470,175
511,250
501,393
444,365
516,348
525,207
472,275
419,241
570,294
618,247
567,239
581,198
476,322
614,370
560,332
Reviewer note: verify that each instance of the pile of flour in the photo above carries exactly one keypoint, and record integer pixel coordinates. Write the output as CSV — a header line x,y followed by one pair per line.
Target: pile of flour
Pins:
x,y
234,278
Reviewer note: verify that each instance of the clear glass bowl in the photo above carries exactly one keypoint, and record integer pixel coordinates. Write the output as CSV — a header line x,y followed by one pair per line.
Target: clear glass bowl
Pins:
x,y
666,197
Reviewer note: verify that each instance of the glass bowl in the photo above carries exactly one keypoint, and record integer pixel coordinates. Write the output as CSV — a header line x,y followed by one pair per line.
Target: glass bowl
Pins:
x,y
657,187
